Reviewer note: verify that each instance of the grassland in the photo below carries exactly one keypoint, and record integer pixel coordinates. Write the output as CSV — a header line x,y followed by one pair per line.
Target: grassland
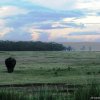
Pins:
x,y
71,76
51,67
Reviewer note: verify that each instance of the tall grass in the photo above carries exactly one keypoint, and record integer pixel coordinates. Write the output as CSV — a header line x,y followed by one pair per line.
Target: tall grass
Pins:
x,y
45,94
88,92
6,94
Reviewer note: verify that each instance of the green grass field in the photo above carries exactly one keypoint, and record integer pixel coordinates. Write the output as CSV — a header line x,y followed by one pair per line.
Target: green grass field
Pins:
x,y
51,67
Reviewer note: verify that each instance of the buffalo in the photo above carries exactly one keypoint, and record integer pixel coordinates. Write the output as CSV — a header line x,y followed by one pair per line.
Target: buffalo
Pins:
x,y
10,64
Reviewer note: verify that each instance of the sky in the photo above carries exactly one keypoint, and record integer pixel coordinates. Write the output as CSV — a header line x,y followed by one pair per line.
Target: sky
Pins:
x,y
50,20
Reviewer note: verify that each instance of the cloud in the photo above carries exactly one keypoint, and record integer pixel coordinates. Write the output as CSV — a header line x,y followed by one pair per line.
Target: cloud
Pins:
x,y
83,38
4,1
4,31
52,20
85,33
17,36
3,28
89,23
63,30
89,19
88,4
51,33
39,17
7,11
2,22
54,4
35,35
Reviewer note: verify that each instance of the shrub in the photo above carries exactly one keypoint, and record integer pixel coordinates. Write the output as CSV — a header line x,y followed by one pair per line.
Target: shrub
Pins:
x,y
69,68
88,73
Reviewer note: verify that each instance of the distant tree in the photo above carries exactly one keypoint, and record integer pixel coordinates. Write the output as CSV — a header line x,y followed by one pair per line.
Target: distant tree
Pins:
x,y
10,64
83,48
69,48
90,48
30,46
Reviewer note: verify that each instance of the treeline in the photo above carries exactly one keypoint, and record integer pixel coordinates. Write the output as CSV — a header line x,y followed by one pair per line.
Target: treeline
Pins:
x,y
30,46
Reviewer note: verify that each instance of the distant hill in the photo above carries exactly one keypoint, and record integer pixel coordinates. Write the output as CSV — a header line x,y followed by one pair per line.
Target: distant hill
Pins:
x,y
83,46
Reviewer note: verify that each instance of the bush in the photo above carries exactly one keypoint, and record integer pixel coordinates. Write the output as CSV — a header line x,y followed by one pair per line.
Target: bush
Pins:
x,y
88,73
69,68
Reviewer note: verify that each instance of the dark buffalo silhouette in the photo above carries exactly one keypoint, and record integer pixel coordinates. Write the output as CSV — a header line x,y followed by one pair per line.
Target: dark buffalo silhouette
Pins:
x,y
10,64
